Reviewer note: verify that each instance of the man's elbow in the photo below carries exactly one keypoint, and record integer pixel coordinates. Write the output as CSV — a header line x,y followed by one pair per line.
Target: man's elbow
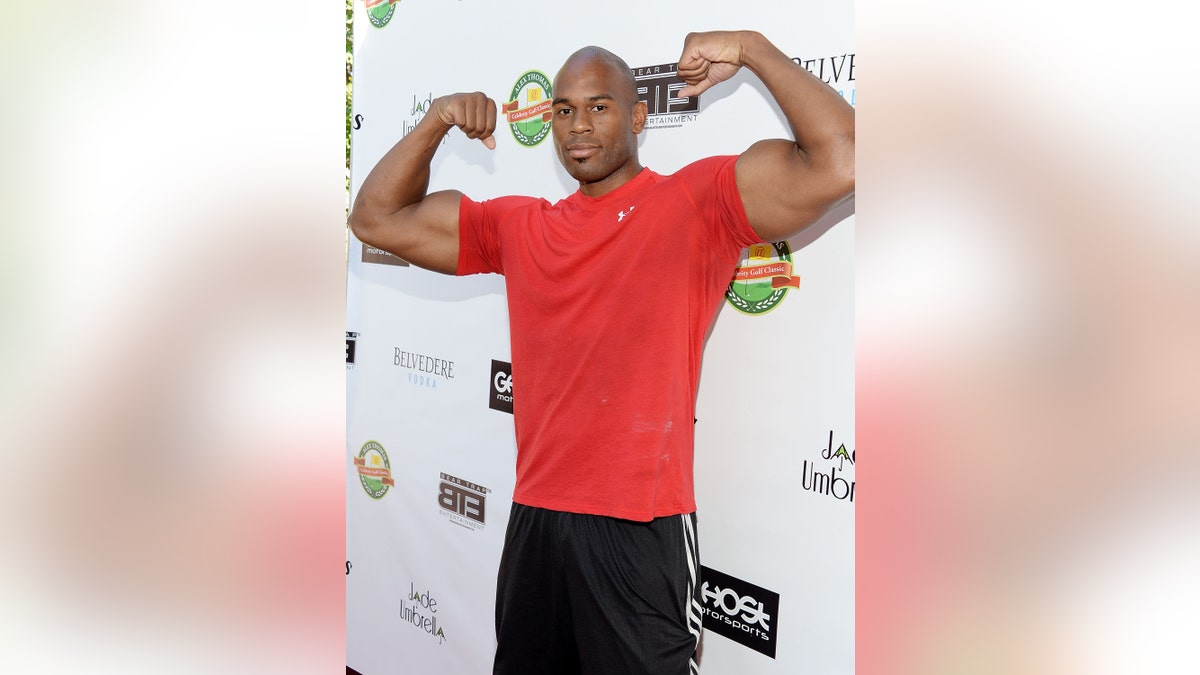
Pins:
x,y
361,223
841,166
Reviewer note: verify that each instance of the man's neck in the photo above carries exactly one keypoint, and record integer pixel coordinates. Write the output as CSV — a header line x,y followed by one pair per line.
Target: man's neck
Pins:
x,y
612,181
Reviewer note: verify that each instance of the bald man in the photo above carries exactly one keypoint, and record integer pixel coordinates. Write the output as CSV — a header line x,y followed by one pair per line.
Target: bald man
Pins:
x,y
600,562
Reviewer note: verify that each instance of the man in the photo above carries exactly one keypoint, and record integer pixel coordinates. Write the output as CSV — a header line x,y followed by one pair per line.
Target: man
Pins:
x,y
598,573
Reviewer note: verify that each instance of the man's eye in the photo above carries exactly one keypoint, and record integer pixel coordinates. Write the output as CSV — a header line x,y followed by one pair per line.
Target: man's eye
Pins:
x,y
564,111
598,108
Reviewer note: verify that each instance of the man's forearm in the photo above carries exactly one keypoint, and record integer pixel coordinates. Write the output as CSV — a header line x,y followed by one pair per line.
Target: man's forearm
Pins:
x,y
401,177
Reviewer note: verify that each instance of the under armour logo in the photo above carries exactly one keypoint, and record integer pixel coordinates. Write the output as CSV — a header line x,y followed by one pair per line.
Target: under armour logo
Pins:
x,y
622,214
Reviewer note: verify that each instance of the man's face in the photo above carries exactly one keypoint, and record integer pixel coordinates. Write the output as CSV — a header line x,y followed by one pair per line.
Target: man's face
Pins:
x,y
596,122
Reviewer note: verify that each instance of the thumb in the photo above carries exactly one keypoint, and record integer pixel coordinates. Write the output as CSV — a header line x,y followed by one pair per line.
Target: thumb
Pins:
x,y
490,142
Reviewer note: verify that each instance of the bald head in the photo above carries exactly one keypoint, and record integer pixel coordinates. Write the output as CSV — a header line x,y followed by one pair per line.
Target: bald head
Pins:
x,y
593,54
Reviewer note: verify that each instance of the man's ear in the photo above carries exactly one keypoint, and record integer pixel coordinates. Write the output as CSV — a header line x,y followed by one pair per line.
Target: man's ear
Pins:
x,y
640,112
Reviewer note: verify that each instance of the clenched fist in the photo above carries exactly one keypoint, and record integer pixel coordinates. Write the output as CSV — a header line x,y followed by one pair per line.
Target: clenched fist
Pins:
x,y
473,112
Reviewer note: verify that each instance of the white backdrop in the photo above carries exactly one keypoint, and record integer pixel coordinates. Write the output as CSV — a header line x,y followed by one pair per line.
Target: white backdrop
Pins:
x,y
425,525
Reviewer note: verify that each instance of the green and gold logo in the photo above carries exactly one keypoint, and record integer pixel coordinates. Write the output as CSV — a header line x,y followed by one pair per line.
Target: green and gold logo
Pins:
x,y
380,11
374,470
763,278
528,111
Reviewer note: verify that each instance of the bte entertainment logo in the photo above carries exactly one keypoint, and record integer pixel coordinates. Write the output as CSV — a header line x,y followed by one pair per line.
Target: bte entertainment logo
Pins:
x,y
832,479
528,110
739,610
462,502
762,280
500,391
374,470
658,87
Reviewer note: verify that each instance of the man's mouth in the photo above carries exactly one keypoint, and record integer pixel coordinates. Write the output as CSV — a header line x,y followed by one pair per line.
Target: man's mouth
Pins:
x,y
582,150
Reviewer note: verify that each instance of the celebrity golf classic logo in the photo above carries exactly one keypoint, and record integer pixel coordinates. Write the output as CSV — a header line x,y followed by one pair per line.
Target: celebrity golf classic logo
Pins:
x,y
374,470
528,110
763,278
380,11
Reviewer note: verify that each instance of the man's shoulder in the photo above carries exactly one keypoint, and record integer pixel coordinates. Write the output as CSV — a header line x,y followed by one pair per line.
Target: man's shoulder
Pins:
x,y
705,166
511,201
506,205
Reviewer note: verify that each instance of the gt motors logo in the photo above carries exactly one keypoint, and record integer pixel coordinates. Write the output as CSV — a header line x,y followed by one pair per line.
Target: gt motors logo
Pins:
x,y
374,470
501,392
380,11
763,278
739,610
528,110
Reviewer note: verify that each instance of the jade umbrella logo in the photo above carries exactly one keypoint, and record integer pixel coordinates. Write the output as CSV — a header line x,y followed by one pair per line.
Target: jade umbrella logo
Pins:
x,y
374,470
528,111
380,11
762,279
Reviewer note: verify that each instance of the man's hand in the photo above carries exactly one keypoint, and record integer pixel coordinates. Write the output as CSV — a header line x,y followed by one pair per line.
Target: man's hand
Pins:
x,y
785,185
474,113
708,58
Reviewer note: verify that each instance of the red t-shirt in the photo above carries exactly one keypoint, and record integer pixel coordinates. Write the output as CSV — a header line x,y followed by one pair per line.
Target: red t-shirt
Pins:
x,y
609,299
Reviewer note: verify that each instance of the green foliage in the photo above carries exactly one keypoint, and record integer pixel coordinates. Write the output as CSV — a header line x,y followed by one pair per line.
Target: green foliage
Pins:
x,y
349,91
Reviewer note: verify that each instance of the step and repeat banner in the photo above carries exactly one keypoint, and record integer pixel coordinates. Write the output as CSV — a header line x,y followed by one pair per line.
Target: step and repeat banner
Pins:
x,y
430,449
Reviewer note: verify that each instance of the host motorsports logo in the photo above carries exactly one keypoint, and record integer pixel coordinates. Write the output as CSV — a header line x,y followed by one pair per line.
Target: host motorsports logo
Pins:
x,y
763,278
462,502
374,470
739,610
528,110
380,11
837,480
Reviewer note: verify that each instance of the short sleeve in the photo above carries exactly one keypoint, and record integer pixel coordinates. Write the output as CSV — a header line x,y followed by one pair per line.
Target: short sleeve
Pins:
x,y
712,183
480,233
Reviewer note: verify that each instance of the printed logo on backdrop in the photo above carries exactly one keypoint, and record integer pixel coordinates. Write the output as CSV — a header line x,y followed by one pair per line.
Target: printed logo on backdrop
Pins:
x,y
380,11
374,470
762,279
836,71
423,370
462,502
351,344
834,476
417,112
658,87
378,256
500,389
420,610
528,110
739,610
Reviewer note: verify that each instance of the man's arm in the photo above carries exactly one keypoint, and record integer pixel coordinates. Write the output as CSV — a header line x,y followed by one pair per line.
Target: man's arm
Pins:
x,y
785,185
392,210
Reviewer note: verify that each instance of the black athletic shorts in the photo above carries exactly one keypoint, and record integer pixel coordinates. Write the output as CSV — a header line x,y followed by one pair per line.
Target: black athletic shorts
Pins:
x,y
592,595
